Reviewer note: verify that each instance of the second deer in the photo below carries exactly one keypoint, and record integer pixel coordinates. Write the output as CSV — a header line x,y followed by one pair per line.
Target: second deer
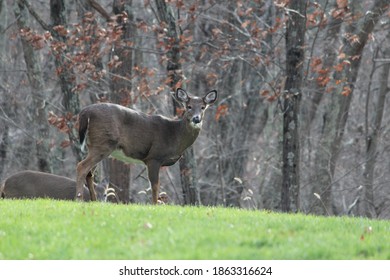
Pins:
x,y
34,184
153,139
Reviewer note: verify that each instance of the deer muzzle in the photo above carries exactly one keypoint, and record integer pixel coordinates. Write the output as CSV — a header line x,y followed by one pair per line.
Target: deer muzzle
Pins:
x,y
196,119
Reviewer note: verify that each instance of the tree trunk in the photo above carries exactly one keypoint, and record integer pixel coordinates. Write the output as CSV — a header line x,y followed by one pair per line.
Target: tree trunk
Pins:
x,y
188,181
4,128
118,171
39,114
295,54
174,68
270,192
70,99
121,88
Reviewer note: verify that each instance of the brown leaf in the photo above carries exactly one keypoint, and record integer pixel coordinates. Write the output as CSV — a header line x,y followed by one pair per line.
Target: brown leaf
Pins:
x,y
248,11
338,13
245,23
339,67
52,118
168,80
193,8
316,61
221,111
61,30
272,98
323,71
323,80
264,93
342,4
216,32
179,111
80,87
346,91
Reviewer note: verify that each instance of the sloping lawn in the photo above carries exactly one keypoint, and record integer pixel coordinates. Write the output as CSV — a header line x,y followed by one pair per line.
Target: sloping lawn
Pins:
x,y
48,229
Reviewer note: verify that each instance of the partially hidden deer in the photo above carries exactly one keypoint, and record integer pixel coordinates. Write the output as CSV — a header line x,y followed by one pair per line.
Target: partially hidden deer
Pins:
x,y
153,139
34,184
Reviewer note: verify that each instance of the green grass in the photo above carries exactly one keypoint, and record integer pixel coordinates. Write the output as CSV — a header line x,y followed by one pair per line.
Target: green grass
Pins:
x,y
47,229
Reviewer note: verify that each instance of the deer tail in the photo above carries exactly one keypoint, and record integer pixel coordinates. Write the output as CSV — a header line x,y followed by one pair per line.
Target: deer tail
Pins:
x,y
83,129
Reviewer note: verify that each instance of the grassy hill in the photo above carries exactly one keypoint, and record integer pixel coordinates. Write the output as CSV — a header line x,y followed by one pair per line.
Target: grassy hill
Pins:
x,y
47,229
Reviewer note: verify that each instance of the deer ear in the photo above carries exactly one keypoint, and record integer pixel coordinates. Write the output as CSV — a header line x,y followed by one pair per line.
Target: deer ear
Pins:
x,y
210,97
181,95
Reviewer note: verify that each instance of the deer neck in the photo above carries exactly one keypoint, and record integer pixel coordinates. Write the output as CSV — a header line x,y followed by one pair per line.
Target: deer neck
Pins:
x,y
188,134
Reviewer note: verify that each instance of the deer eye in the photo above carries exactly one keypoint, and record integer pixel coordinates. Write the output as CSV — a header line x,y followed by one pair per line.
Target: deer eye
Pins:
x,y
189,107
203,107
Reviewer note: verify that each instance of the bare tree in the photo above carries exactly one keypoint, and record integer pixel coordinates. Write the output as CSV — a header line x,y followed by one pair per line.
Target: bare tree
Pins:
x,y
187,163
295,34
120,90
70,99
4,126
38,92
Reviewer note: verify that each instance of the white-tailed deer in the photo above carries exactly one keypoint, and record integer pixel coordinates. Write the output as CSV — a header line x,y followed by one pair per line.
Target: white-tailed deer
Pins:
x,y
34,184
153,139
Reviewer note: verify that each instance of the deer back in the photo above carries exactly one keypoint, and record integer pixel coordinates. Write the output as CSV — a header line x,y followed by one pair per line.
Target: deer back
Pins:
x,y
106,127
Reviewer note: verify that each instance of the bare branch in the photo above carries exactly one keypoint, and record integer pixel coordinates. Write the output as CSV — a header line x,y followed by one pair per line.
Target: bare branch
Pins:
x,y
94,4
35,15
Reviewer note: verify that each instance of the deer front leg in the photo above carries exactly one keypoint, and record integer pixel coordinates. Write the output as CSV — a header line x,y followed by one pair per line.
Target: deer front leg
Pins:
x,y
153,174
80,179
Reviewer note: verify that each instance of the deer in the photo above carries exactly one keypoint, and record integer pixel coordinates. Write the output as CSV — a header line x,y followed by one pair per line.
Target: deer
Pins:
x,y
34,184
153,140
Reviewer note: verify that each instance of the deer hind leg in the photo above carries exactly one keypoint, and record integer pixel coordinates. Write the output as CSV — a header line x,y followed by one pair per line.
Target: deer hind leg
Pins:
x,y
90,184
153,174
84,172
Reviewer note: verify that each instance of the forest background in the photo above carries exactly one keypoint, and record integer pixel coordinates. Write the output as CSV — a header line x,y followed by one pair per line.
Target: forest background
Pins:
x,y
300,123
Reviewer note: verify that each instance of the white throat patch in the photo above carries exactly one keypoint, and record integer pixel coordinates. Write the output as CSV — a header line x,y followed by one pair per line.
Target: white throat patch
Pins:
x,y
196,125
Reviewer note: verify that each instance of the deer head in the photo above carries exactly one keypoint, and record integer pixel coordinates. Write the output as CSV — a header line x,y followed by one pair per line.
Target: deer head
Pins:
x,y
195,106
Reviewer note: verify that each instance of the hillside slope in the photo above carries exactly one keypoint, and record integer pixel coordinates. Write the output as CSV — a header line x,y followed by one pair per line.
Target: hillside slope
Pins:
x,y
47,229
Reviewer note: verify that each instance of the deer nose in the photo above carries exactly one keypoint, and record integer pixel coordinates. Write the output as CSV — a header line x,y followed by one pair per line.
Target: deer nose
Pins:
x,y
196,119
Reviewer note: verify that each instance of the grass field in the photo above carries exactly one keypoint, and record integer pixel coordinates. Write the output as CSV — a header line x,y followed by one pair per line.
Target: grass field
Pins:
x,y
47,229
